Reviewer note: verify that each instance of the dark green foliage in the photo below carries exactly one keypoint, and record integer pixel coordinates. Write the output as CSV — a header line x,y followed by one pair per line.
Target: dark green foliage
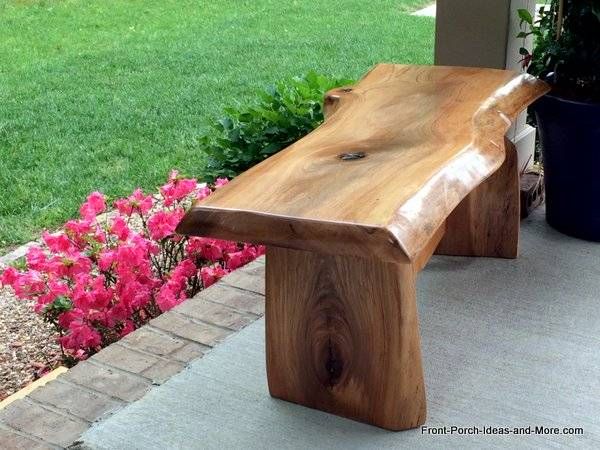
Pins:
x,y
53,310
246,135
571,60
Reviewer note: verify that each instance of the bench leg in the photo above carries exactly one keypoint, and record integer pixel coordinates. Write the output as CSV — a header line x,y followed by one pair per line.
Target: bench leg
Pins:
x,y
486,222
343,337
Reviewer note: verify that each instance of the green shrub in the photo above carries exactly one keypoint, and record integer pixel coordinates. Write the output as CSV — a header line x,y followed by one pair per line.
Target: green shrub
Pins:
x,y
246,135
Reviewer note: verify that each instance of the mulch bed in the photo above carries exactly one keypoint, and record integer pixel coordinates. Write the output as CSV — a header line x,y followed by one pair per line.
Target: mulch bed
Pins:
x,y
28,347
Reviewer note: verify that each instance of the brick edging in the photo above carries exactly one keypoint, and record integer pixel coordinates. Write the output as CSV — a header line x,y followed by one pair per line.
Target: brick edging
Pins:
x,y
57,414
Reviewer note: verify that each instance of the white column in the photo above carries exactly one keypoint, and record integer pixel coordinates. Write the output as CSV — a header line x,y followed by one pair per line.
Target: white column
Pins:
x,y
482,33
521,134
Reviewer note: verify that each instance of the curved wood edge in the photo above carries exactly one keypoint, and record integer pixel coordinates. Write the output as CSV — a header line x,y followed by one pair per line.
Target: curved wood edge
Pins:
x,y
336,97
417,220
486,222
409,233
295,233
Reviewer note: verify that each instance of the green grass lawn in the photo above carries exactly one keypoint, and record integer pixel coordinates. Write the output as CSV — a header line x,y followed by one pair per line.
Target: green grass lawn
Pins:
x,y
110,94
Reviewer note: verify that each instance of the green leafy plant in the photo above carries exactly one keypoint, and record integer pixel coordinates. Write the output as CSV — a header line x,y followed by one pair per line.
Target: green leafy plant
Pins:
x,y
567,47
246,135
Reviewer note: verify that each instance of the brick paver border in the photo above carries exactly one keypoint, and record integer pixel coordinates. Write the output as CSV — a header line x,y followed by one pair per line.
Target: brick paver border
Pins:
x,y
57,414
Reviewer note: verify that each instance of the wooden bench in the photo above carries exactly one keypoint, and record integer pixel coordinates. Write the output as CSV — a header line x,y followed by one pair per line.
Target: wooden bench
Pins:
x,y
412,160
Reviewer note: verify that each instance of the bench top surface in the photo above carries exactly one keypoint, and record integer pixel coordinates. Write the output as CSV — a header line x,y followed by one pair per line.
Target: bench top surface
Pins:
x,y
425,136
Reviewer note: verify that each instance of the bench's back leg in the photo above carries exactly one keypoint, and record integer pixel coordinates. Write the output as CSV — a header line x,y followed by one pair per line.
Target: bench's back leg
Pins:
x,y
343,337
486,222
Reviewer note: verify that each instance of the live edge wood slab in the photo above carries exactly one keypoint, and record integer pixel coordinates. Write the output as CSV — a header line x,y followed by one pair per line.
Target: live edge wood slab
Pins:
x,y
410,161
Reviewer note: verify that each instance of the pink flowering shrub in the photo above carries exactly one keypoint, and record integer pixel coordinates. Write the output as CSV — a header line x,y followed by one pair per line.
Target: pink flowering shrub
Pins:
x,y
100,278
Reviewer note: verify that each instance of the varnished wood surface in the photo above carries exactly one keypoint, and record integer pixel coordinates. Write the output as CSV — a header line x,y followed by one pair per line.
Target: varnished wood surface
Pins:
x,y
423,257
487,221
429,134
342,336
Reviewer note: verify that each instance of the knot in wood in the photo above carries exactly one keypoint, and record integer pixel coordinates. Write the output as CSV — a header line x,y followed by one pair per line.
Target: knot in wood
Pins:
x,y
351,156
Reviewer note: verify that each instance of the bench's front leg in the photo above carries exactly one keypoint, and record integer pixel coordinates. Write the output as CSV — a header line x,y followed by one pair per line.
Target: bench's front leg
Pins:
x,y
343,337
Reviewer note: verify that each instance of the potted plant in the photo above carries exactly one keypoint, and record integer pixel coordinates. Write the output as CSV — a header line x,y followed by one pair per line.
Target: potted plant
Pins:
x,y
567,55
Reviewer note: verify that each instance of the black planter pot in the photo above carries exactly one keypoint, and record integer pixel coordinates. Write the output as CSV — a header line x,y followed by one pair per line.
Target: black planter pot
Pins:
x,y
570,137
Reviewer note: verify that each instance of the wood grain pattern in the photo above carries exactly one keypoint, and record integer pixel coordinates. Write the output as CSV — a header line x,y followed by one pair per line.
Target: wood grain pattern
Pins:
x,y
486,222
343,337
430,135
421,260
348,236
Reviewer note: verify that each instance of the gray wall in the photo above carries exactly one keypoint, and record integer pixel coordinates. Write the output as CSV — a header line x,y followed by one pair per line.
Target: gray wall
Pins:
x,y
472,33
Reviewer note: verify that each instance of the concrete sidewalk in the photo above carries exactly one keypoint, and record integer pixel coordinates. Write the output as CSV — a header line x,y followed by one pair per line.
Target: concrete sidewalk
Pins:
x,y
507,343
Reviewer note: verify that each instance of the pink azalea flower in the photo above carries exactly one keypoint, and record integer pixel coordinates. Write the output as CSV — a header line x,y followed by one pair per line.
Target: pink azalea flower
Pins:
x,y
99,236
70,265
9,277
57,242
210,275
93,206
163,223
117,314
83,299
167,299
235,260
212,251
77,229
29,284
124,206
145,246
251,252
219,182
136,202
226,246
81,336
184,269
195,245
58,288
106,259
128,327
203,193
141,297
55,289
130,256
74,315
120,229
177,188
101,295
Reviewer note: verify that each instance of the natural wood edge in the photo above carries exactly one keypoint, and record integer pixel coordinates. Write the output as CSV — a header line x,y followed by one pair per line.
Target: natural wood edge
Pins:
x,y
469,169
294,233
512,99
415,222
333,100
427,252
486,222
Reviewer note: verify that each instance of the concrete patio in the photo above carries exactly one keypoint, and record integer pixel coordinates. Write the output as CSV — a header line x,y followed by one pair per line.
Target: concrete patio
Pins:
x,y
506,343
